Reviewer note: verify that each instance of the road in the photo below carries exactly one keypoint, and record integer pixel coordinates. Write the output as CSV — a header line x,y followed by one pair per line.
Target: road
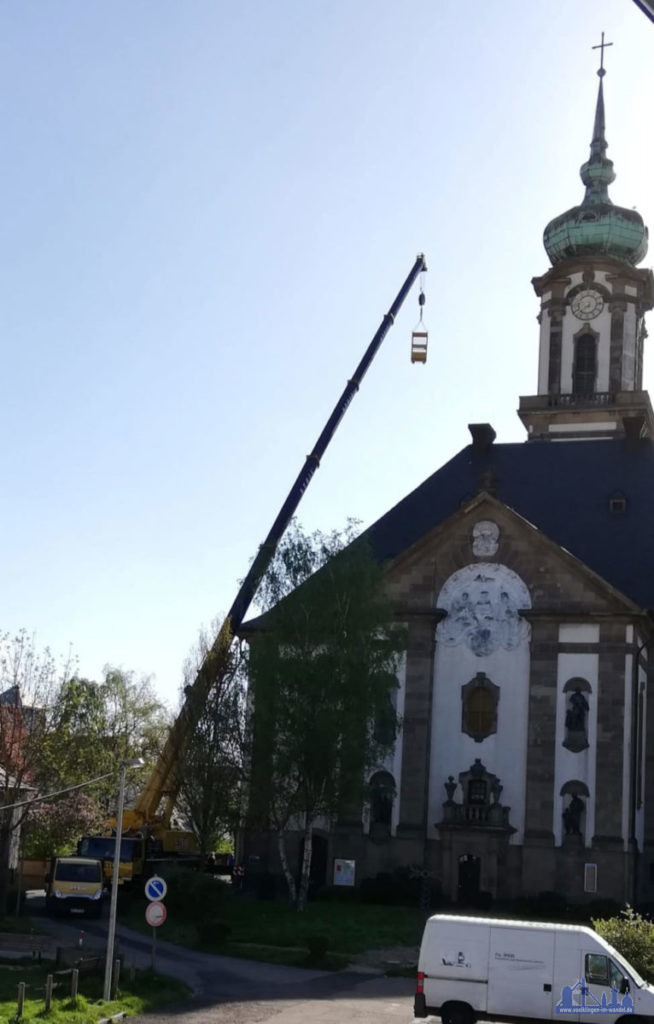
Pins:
x,y
227,990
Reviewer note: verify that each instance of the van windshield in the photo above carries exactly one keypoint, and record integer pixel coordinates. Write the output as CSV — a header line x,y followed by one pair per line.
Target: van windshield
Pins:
x,y
103,847
71,872
630,971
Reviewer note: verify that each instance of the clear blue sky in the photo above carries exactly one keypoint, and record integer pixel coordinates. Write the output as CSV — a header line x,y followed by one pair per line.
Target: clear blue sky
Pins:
x,y
206,209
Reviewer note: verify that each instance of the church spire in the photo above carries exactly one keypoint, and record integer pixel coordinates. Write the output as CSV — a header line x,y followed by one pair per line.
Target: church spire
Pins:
x,y
597,227
597,173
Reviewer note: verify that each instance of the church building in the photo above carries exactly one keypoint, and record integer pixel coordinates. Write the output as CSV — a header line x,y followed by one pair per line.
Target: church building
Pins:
x,y
524,574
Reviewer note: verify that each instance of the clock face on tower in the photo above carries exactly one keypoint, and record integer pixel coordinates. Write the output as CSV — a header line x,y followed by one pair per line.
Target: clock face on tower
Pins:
x,y
587,305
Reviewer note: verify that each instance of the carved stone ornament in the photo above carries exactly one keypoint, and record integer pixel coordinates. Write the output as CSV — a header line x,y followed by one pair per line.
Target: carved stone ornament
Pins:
x,y
485,538
483,605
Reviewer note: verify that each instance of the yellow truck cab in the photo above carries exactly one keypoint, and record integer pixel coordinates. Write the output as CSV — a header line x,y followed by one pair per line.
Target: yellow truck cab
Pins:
x,y
74,883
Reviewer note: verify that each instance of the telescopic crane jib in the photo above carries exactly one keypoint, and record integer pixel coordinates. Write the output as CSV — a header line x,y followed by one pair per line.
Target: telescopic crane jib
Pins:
x,y
163,782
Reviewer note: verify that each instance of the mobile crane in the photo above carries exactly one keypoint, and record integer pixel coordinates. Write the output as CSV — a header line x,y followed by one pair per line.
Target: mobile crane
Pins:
x,y
146,832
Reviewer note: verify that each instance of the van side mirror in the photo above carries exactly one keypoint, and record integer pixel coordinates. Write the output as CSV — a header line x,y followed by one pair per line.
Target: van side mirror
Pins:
x,y
624,986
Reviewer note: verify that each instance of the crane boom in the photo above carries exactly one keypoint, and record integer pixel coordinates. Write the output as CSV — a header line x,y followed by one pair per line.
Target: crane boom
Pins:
x,y
163,779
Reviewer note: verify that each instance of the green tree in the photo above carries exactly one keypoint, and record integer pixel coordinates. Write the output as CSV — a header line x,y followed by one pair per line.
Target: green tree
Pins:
x,y
322,668
212,762
98,725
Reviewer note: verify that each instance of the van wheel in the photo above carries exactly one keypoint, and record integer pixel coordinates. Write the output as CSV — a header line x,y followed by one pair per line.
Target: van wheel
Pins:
x,y
457,1013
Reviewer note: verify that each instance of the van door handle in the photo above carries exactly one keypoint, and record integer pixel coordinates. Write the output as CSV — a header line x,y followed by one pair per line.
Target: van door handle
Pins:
x,y
547,988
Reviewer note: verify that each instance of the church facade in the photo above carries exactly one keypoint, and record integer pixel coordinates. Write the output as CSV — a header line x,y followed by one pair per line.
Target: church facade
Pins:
x,y
524,576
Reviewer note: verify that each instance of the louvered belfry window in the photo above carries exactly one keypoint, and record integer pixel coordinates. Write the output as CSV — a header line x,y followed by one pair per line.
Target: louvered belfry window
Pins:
x,y
585,368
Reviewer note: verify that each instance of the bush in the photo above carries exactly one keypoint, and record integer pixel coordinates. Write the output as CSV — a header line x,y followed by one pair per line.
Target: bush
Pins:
x,y
633,936
194,895
266,886
402,887
212,932
317,946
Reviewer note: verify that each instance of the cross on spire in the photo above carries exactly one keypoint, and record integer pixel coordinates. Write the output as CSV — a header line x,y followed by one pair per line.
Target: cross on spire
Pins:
x,y
601,46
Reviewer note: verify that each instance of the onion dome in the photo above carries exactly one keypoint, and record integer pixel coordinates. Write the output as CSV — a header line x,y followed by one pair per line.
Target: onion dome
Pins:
x,y
597,227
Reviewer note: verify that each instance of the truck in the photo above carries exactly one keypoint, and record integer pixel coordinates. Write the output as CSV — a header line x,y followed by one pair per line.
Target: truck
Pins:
x,y
140,856
74,884
475,968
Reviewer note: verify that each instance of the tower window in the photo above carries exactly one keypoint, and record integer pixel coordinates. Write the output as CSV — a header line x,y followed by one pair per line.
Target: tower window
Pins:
x,y
585,368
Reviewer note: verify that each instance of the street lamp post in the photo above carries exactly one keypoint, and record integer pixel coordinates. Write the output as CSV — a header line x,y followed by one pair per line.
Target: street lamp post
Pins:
x,y
136,762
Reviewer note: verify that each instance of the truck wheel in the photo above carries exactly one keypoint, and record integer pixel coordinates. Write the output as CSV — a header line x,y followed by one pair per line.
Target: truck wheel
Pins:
x,y
457,1013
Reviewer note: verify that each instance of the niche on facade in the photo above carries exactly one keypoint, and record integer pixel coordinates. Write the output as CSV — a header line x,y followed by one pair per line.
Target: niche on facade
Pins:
x,y
480,806
574,794
381,794
479,700
577,693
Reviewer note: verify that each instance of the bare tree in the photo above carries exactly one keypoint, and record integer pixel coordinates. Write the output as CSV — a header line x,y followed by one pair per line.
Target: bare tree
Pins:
x,y
213,761
29,683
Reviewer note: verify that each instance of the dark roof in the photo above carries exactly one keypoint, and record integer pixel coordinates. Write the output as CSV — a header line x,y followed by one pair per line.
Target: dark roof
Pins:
x,y
563,488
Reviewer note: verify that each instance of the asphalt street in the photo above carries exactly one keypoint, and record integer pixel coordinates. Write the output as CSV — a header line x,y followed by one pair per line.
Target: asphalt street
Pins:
x,y
235,991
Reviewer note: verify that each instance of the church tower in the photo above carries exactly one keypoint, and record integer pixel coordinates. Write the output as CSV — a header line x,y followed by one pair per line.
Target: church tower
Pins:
x,y
593,301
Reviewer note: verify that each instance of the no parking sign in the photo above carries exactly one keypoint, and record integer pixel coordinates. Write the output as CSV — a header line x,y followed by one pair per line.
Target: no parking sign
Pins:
x,y
155,888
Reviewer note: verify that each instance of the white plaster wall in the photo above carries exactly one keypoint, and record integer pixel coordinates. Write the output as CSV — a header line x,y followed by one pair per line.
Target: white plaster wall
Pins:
x,y
629,348
393,761
569,765
627,748
396,758
504,753
640,811
544,348
579,633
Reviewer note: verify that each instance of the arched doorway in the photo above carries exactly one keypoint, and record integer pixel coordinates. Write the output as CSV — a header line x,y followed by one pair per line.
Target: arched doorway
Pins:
x,y
469,876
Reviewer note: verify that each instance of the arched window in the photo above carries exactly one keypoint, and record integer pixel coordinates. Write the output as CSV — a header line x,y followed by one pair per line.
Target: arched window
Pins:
x,y
382,791
481,711
585,368
479,700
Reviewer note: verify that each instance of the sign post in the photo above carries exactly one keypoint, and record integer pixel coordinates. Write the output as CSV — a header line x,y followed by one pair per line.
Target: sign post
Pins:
x,y
155,912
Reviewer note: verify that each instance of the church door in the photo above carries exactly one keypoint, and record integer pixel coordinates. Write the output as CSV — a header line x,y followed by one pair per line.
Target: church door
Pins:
x,y
469,875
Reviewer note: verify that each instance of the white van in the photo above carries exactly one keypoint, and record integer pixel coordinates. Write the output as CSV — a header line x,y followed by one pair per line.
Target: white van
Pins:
x,y
474,968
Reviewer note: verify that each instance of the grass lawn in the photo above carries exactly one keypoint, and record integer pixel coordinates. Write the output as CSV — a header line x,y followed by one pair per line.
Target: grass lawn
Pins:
x,y
145,992
275,932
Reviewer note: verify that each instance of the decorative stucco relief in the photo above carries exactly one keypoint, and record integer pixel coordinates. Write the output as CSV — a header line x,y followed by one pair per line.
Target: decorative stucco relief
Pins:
x,y
483,605
485,538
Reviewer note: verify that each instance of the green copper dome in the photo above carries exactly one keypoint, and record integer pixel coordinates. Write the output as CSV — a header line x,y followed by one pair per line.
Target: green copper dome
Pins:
x,y
597,227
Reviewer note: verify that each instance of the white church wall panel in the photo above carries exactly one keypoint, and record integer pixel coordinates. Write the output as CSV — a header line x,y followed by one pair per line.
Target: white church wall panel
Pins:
x,y
627,747
569,764
481,633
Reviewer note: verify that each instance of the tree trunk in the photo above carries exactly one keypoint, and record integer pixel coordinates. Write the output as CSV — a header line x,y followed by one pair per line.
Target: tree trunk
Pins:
x,y
306,864
290,881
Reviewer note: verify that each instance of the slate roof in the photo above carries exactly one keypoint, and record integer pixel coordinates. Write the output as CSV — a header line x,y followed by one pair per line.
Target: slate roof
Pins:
x,y
561,487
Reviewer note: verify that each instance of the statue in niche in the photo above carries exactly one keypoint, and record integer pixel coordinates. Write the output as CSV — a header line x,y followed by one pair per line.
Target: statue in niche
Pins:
x,y
572,816
575,716
485,536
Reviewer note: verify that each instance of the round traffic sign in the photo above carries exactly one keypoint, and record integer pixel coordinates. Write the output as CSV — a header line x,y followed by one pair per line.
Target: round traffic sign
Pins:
x,y
155,914
155,888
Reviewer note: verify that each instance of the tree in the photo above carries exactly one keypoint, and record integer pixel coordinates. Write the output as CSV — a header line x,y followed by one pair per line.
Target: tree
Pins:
x,y
29,682
322,668
53,827
212,762
96,726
